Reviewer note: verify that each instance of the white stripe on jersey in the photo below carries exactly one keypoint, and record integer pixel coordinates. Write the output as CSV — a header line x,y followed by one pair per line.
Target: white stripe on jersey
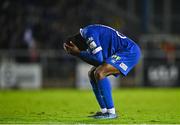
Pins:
x,y
97,50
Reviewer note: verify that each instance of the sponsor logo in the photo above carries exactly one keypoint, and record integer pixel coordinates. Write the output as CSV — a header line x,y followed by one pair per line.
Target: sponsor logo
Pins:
x,y
113,61
123,66
116,57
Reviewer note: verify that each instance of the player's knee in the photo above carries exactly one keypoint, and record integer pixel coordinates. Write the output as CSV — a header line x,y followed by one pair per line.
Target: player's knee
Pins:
x,y
99,74
91,73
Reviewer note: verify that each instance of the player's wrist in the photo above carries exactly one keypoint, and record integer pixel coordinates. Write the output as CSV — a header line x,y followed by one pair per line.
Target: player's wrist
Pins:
x,y
77,53
82,53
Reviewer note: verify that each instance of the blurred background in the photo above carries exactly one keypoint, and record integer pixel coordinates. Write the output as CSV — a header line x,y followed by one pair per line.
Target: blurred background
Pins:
x,y
33,31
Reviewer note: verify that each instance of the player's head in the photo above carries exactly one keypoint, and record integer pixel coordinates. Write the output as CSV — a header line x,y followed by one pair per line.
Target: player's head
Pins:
x,y
78,40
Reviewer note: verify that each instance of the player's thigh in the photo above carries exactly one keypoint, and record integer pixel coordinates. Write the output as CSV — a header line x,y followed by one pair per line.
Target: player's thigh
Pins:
x,y
107,69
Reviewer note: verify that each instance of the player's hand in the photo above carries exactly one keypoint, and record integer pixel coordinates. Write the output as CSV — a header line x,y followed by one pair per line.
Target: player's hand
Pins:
x,y
71,49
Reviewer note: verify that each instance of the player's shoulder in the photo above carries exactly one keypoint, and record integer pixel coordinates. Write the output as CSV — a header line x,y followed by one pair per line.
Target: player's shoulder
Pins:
x,y
97,26
88,31
92,29
89,28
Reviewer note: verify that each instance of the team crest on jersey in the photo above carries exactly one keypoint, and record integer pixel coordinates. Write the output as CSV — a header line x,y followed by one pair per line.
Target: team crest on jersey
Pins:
x,y
90,39
92,45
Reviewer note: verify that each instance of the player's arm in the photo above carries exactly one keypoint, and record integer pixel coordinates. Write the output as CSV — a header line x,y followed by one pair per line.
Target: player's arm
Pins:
x,y
88,60
94,52
94,60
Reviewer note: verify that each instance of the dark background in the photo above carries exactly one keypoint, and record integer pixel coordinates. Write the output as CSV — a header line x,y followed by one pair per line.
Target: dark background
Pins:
x,y
32,31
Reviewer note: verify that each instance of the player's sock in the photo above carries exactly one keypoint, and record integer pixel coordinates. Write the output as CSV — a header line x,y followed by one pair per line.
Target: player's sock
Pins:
x,y
105,87
103,110
112,111
99,97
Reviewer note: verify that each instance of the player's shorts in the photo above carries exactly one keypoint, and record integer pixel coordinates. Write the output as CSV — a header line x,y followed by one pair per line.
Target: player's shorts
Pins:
x,y
124,61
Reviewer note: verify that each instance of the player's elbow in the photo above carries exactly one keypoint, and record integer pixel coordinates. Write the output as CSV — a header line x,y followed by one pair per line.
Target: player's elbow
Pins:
x,y
100,62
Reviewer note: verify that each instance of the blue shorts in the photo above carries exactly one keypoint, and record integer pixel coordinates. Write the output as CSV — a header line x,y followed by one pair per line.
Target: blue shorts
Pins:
x,y
124,61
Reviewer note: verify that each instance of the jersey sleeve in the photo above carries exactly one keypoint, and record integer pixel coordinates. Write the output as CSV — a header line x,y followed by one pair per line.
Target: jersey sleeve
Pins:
x,y
92,40
94,51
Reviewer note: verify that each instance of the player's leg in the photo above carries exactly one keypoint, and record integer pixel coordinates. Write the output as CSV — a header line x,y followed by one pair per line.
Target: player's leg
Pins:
x,y
96,90
105,70
103,83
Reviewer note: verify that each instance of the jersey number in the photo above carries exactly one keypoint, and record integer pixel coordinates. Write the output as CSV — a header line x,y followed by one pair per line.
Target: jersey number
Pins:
x,y
121,35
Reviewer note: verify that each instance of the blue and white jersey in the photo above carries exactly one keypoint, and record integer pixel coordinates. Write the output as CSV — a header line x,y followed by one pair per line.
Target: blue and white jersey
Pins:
x,y
107,40
104,42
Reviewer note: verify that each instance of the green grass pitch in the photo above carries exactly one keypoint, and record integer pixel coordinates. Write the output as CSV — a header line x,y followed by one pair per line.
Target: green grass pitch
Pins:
x,y
148,105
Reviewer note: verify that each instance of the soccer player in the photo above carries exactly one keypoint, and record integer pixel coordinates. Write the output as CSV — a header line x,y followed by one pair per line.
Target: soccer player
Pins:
x,y
110,53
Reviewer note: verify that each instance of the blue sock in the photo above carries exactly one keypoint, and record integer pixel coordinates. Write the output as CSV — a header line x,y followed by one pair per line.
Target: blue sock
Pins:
x,y
105,87
98,95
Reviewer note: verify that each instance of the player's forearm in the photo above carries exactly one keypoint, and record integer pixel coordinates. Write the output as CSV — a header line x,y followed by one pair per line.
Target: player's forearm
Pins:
x,y
89,61
96,61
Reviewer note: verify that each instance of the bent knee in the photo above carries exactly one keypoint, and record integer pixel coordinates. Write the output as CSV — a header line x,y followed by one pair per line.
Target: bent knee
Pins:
x,y
99,74
91,73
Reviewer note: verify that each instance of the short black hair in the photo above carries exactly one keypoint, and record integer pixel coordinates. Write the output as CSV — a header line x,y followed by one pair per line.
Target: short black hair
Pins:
x,y
78,40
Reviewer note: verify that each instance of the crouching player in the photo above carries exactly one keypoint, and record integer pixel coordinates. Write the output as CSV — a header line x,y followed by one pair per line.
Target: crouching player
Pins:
x,y
111,53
